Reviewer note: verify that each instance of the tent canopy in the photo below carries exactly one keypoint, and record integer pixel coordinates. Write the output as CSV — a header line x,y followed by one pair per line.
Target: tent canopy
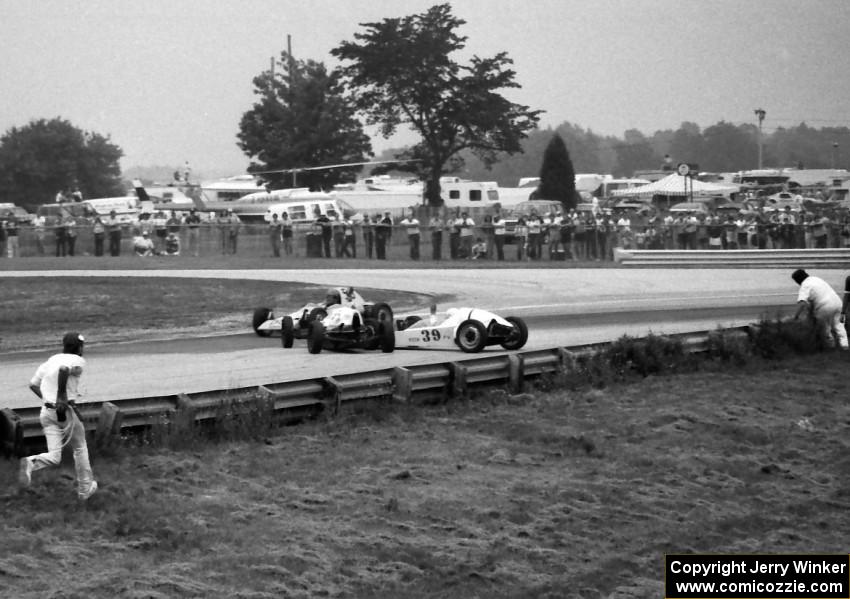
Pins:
x,y
675,185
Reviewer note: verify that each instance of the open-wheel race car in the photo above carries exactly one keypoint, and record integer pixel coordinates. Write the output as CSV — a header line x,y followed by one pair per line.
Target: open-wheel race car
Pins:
x,y
470,329
343,321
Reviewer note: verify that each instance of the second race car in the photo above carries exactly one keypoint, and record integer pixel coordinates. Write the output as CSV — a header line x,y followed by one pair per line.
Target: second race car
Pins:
x,y
343,321
470,329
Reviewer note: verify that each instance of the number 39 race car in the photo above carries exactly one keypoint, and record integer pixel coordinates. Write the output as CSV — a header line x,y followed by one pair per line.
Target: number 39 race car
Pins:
x,y
470,329
343,321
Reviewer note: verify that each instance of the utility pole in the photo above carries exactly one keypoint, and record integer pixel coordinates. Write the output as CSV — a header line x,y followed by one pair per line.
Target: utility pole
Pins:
x,y
760,114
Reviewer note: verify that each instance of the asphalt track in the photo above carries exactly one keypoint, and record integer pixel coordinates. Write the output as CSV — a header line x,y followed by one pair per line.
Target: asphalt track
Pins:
x,y
562,307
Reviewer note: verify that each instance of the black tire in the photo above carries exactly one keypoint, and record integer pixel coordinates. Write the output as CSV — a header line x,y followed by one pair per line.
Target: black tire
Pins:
x,y
386,337
287,332
372,338
520,334
381,312
316,337
261,315
471,336
317,314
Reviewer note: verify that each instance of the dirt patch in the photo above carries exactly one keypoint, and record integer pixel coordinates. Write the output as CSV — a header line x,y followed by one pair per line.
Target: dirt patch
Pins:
x,y
538,495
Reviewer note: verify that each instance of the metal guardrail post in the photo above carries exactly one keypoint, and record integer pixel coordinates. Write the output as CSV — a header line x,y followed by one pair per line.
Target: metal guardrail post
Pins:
x,y
184,418
333,394
458,384
402,384
516,373
108,423
11,433
566,360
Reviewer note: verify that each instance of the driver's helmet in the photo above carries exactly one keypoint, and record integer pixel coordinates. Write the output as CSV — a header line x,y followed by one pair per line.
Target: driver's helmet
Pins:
x,y
333,297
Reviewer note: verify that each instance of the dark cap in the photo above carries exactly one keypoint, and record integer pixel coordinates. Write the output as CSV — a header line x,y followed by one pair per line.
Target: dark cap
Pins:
x,y
72,342
799,276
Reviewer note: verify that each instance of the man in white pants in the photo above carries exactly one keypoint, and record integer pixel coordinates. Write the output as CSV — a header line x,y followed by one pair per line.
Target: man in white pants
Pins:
x,y
824,305
56,383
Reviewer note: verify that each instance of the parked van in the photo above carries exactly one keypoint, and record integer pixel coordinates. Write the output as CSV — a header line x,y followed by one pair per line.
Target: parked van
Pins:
x,y
126,208
81,212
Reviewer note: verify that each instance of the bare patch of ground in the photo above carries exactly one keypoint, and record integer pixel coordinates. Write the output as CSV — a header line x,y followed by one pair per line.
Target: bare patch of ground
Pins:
x,y
544,494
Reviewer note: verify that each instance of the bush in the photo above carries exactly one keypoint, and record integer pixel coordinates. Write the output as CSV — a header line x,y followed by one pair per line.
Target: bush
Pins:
x,y
777,339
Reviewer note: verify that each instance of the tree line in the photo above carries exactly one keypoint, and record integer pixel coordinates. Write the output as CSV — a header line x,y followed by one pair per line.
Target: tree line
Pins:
x,y
401,72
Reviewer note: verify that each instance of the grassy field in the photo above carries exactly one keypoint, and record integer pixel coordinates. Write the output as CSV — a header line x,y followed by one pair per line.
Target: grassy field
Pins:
x,y
547,494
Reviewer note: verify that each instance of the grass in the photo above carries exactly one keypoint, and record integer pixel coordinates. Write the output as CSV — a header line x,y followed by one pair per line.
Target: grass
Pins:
x,y
545,494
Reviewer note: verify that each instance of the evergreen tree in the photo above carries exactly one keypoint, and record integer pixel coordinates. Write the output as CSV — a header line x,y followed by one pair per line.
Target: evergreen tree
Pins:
x,y
557,175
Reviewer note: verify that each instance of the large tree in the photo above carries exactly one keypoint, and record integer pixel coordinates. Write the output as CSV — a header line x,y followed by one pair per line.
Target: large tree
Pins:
x,y
400,72
557,175
46,156
302,119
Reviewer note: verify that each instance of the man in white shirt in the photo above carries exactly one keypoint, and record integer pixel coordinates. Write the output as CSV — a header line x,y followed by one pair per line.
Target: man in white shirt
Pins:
x,y
823,304
56,383
411,225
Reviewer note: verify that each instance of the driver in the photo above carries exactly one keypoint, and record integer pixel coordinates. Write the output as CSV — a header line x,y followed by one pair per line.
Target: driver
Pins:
x,y
332,298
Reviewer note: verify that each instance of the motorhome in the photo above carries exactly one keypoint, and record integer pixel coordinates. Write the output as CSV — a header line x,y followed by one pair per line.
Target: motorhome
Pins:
x,y
610,185
230,188
455,192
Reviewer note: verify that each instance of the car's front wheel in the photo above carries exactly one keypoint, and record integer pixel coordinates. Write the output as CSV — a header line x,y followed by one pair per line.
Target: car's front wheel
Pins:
x,y
287,332
316,337
261,315
471,336
386,336
519,336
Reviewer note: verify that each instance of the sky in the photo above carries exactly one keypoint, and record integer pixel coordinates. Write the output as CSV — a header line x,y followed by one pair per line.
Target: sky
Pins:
x,y
168,80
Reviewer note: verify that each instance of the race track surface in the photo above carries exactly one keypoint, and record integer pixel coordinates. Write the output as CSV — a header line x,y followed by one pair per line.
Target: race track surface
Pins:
x,y
563,307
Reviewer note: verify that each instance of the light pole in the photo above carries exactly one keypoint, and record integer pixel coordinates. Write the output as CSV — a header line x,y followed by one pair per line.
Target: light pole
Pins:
x,y
760,113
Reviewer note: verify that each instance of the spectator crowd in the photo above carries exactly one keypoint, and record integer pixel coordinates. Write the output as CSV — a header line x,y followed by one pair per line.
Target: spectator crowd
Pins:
x,y
449,235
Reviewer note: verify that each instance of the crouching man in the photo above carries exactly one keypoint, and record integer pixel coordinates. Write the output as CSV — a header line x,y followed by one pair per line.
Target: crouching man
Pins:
x,y
56,383
824,305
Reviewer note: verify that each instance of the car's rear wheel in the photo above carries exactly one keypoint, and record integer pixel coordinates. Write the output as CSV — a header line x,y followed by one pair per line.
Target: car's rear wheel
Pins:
x,y
386,336
261,315
471,336
520,333
316,337
287,332
382,312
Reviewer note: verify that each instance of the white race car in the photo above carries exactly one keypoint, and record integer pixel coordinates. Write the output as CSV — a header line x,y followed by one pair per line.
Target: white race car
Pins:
x,y
343,321
469,329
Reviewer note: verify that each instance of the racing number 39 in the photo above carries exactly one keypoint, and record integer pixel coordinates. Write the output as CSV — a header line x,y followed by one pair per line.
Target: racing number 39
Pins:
x,y
432,335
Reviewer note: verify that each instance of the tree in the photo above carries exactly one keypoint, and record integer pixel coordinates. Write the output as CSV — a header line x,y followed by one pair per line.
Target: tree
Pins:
x,y
47,156
557,175
302,119
635,153
728,147
402,73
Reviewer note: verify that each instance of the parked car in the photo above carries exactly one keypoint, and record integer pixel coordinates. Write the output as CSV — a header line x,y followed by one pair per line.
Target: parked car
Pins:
x,y
689,207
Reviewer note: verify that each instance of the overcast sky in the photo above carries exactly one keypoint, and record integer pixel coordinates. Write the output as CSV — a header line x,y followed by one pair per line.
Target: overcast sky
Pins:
x,y
168,80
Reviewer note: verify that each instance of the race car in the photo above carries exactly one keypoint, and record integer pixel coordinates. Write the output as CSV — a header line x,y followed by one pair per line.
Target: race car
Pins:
x,y
470,329
344,320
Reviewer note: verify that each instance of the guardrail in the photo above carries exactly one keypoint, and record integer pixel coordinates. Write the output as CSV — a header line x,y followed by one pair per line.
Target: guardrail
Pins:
x,y
292,401
833,257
